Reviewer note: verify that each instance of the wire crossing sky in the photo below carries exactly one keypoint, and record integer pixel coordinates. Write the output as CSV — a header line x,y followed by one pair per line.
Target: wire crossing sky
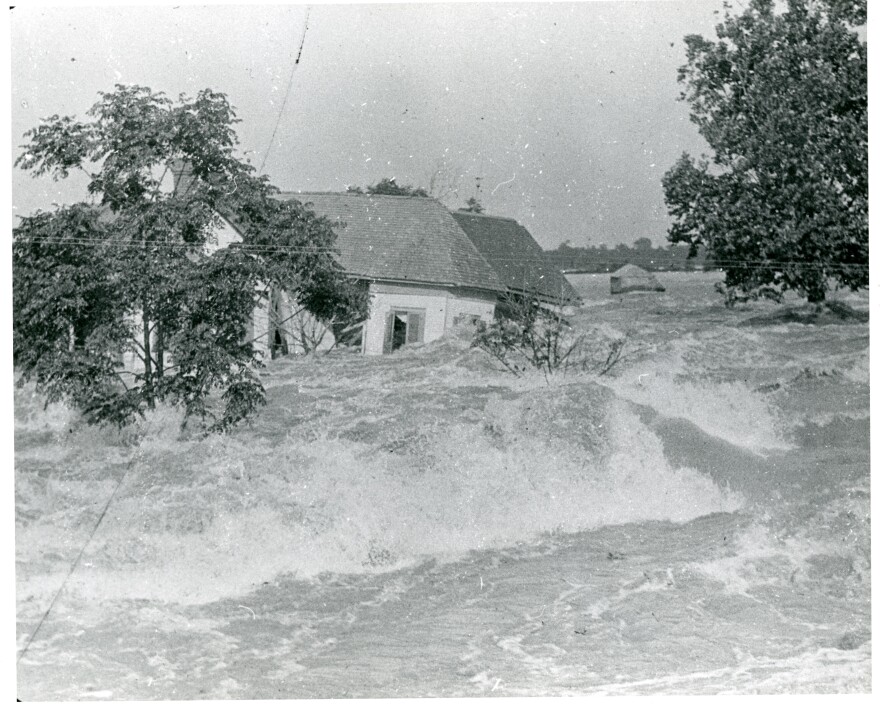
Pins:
x,y
287,93
563,116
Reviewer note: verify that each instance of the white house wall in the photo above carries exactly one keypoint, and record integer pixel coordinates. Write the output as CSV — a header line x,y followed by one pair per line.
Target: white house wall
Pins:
x,y
291,321
482,307
258,330
224,235
441,306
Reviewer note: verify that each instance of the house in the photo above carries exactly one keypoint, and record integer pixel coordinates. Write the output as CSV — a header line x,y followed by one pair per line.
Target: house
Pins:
x,y
631,278
424,273
518,259
424,276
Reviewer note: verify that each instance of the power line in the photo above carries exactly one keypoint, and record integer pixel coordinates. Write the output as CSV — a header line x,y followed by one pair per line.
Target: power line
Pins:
x,y
76,561
149,243
287,93
501,258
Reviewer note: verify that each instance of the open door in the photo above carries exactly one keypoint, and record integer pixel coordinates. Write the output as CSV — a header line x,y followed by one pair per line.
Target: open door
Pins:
x,y
403,326
415,327
389,329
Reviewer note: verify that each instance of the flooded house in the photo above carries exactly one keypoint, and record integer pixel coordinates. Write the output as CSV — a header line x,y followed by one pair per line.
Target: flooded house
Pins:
x,y
428,271
423,274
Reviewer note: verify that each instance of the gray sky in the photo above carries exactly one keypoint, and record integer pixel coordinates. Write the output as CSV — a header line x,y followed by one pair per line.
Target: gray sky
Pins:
x,y
567,113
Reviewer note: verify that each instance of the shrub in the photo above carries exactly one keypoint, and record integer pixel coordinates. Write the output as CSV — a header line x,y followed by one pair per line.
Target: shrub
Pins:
x,y
526,336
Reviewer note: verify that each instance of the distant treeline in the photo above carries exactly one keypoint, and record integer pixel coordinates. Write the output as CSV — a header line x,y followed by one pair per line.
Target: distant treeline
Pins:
x,y
605,259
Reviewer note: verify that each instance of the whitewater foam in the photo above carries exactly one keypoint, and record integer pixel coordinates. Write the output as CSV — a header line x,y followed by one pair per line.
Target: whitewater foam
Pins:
x,y
249,514
729,410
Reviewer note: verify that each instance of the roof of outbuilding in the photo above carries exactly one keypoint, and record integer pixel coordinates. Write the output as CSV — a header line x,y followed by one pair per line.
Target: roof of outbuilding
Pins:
x,y
516,256
630,270
401,238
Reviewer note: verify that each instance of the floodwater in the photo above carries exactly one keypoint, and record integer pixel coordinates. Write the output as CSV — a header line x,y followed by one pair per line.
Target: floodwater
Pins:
x,y
695,521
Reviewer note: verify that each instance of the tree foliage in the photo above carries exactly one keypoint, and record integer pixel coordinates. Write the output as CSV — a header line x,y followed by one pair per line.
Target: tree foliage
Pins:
x,y
781,99
604,259
473,205
135,271
389,187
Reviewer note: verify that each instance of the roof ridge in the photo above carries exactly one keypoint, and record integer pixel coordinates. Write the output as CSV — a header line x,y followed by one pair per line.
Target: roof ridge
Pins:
x,y
485,215
453,254
349,194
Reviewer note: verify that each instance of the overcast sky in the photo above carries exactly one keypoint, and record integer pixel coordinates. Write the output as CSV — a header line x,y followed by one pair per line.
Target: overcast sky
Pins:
x,y
561,115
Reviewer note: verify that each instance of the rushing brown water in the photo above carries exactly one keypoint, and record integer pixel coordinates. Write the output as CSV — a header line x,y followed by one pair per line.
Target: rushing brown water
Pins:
x,y
697,521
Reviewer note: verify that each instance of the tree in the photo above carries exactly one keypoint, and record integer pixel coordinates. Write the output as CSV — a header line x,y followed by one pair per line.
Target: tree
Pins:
x,y
389,187
134,271
781,99
444,181
473,206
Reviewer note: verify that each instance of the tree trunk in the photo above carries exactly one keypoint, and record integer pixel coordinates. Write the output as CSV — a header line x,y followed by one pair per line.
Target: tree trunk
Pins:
x,y
816,295
148,359
160,352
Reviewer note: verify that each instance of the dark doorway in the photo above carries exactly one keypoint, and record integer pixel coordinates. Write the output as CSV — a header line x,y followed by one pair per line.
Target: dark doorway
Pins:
x,y
279,345
403,327
398,332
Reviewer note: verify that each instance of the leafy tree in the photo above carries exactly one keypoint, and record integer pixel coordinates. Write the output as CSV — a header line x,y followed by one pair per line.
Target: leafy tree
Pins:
x,y
389,187
781,99
135,271
604,259
473,206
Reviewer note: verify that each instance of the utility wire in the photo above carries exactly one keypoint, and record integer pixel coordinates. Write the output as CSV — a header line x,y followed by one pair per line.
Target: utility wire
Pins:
x,y
150,243
581,268
76,561
287,93
83,241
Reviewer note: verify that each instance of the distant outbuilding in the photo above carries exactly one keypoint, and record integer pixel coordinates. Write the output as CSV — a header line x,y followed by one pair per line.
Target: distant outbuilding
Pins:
x,y
631,278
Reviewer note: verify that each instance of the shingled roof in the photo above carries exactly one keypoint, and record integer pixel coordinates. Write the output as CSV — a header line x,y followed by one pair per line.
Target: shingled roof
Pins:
x,y
401,238
516,257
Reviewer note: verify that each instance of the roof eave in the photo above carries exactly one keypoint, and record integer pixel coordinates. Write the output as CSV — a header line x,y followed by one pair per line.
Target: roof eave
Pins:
x,y
432,283
543,295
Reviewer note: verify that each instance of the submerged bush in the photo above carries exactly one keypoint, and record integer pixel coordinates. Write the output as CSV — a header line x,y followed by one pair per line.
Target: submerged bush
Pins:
x,y
526,336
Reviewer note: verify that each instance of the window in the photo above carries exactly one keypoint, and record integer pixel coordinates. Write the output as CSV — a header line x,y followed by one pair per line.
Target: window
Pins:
x,y
466,320
403,326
